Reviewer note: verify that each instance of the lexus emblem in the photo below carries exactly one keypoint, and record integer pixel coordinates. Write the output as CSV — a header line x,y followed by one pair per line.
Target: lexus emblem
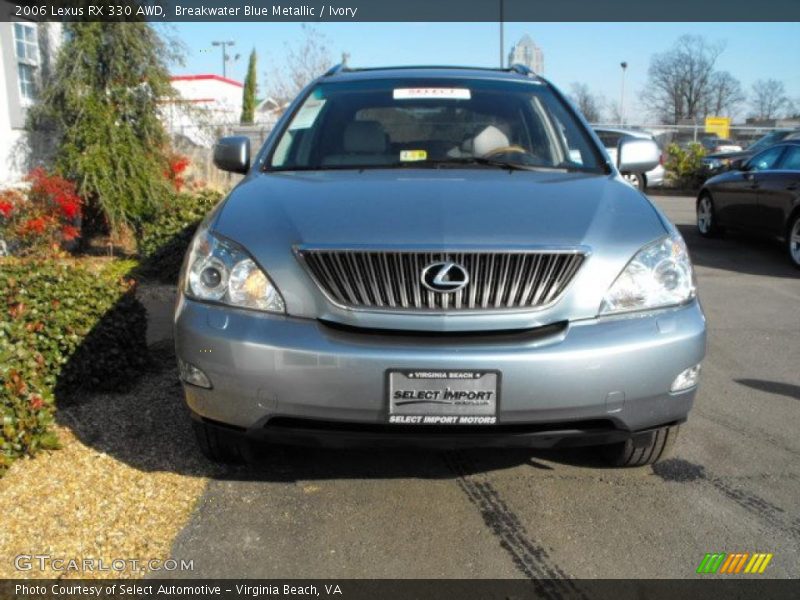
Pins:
x,y
445,277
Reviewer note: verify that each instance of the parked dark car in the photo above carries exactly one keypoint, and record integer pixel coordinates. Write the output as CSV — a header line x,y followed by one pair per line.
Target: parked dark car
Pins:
x,y
762,196
721,161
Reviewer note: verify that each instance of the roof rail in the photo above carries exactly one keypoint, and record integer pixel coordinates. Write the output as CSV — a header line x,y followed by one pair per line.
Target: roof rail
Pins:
x,y
336,69
522,70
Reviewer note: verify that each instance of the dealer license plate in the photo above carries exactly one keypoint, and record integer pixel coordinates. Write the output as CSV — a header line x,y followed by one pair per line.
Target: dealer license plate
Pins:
x,y
420,397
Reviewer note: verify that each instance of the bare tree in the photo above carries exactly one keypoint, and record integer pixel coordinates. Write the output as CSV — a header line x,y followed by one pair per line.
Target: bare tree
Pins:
x,y
680,79
725,95
303,62
769,99
589,104
614,113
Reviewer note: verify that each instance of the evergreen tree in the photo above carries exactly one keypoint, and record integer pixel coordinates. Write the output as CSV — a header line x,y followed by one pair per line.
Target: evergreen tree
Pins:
x,y
100,108
249,93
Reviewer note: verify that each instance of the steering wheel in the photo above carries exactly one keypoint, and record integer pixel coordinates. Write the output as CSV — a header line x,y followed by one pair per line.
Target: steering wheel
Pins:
x,y
506,149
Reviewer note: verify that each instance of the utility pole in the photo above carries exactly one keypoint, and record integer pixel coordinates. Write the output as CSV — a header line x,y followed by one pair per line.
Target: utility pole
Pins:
x,y
624,66
222,44
502,43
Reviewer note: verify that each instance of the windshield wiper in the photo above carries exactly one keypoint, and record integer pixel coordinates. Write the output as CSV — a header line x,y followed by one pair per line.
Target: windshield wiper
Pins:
x,y
481,160
438,163
503,164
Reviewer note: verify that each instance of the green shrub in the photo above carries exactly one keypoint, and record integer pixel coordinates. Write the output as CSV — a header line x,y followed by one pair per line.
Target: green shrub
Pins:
x,y
100,107
685,169
66,326
165,239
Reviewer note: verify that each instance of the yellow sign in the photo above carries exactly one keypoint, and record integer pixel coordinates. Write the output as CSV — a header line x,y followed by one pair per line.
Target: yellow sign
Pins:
x,y
719,125
406,155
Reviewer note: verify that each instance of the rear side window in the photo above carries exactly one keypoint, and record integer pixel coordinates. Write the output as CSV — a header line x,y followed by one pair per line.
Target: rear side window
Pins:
x,y
766,160
608,139
791,160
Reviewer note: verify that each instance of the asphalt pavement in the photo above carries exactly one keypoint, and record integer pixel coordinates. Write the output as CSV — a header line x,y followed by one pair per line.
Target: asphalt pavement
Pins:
x,y
732,485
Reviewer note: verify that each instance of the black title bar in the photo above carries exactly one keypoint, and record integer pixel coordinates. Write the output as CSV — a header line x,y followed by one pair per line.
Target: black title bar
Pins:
x,y
729,588
402,10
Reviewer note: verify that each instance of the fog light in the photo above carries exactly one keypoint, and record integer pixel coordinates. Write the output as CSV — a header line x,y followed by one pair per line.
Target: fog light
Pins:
x,y
686,379
191,374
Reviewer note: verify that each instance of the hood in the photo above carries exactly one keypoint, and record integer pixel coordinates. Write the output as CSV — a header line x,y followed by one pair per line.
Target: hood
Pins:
x,y
730,155
433,207
270,213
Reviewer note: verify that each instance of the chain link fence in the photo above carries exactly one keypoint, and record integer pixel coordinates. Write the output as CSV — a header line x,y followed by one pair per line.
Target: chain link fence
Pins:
x,y
196,142
741,135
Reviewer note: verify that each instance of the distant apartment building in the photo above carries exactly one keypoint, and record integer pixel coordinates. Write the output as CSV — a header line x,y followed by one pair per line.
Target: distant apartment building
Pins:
x,y
526,52
27,51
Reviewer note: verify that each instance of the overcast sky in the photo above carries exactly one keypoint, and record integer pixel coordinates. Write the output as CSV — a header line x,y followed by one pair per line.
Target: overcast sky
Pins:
x,y
574,52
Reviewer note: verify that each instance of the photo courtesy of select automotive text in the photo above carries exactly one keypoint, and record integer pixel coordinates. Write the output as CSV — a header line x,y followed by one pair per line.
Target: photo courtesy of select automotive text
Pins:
x,y
399,299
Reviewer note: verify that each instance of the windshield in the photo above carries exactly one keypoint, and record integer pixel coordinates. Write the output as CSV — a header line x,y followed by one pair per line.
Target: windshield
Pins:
x,y
434,123
767,140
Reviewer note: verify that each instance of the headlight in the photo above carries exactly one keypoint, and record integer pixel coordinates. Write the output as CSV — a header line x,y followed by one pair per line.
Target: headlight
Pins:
x,y
659,275
219,270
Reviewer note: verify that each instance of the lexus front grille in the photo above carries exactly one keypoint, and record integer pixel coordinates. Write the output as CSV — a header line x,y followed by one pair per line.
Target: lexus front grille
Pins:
x,y
393,279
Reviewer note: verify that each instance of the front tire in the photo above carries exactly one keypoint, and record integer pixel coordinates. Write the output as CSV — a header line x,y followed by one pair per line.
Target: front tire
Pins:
x,y
793,240
706,217
637,180
642,449
218,445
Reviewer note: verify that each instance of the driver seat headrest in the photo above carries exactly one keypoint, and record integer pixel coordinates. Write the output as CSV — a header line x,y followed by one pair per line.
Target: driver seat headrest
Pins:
x,y
364,137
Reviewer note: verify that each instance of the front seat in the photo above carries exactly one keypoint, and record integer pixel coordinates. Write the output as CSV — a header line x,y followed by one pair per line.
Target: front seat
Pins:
x,y
491,138
363,143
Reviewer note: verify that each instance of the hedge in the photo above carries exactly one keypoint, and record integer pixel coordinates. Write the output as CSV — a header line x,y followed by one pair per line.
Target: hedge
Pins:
x,y
684,166
66,326
164,240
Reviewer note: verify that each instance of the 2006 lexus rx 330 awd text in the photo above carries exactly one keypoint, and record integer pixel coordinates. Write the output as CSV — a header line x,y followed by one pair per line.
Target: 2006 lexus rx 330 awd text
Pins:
x,y
438,257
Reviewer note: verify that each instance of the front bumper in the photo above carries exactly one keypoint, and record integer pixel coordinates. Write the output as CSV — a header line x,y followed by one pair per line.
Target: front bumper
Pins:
x,y
655,177
292,379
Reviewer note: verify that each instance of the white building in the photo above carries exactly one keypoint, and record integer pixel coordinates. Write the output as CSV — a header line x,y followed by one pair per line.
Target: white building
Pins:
x,y
526,52
268,111
204,103
27,51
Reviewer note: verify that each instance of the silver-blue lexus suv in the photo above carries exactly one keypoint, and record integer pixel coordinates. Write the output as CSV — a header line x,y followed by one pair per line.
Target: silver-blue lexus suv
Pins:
x,y
439,257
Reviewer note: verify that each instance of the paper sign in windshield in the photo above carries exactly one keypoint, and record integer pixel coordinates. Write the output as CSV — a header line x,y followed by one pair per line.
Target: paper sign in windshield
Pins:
x,y
431,94
306,116
410,155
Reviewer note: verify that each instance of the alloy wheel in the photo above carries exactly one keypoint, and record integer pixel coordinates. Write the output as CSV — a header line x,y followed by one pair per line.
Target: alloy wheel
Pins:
x,y
794,242
704,215
634,179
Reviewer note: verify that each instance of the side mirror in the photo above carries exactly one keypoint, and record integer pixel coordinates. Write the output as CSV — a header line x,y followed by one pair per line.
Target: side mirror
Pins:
x,y
233,154
740,165
637,155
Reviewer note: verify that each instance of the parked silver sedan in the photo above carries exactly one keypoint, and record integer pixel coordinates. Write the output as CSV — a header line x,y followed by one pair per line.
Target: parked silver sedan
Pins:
x,y
611,139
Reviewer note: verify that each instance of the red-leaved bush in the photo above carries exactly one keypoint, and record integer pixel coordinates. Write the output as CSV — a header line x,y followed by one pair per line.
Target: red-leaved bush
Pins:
x,y
42,218
175,173
8,199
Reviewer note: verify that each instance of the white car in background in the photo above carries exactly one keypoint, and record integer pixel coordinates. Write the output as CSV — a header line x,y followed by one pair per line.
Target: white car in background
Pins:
x,y
716,145
611,139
